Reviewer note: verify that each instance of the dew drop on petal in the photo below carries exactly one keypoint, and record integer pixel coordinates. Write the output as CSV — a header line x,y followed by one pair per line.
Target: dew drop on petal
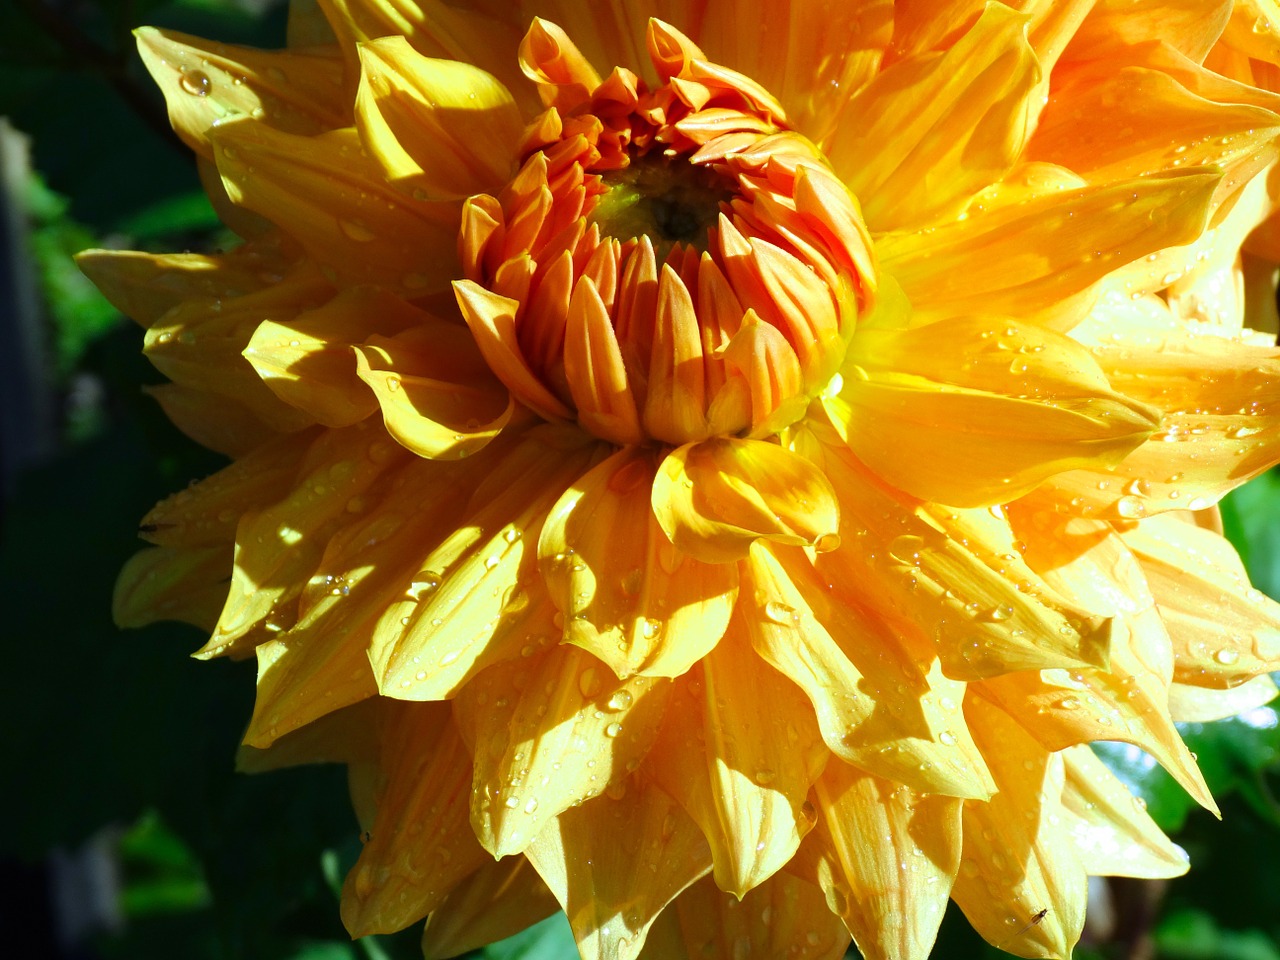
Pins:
x,y
196,83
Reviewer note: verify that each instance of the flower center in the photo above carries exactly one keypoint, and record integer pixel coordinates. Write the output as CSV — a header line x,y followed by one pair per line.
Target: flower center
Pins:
x,y
668,200
667,265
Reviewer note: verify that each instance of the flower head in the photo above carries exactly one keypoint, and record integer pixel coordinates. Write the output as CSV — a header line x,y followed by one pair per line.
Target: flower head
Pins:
x,y
745,459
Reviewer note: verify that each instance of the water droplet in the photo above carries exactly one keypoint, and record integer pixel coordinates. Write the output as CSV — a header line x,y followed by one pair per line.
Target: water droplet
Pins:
x,y
356,231
612,730
780,613
947,738
423,584
1226,656
620,700
512,803
196,83
1131,508
532,805
765,776
1068,703
589,682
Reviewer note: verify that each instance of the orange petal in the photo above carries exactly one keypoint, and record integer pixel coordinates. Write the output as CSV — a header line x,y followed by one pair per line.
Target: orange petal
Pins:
x,y
615,862
1017,863
419,844
715,498
336,203
219,423
743,779
549,58
566,732
497,901
172,583
626,594
458,119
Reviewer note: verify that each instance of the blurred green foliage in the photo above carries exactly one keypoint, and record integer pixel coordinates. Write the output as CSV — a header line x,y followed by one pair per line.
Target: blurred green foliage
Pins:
x,y
127,733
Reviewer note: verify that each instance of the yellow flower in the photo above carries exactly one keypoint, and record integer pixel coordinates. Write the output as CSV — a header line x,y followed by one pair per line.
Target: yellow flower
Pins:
x,y
750,458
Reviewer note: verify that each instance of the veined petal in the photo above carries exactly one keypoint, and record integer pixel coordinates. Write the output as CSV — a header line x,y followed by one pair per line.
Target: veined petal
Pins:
x,y
337,204
615,862
172,583
898,852
475,597
419,845
497,901
207,84
459,121
926,134
649,609
206,513
742,776
715,498
1025,404
1015,862
308,361
1114,836
782,917
1224,632
1046,247
569,732
955,577
913,735
434,400
1189,26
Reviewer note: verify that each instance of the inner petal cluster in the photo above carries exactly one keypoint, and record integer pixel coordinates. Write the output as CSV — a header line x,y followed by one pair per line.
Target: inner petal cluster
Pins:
x,y
669,264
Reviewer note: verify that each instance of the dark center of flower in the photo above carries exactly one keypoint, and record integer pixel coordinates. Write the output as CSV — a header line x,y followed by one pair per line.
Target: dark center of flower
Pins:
x,y
668,200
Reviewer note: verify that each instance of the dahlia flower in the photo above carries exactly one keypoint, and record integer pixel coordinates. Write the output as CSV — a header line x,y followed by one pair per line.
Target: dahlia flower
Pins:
x,y
714,468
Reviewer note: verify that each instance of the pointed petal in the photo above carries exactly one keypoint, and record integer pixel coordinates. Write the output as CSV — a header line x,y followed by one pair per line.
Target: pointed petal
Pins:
x,y
419,846
429,402
626,594
743,779
1027,403
615,862
349,736
1114,835
782,917
551,60
1224,632
715,498
898,852
336,203
219,423
1188,704
458,120
593,365
1042,249
172,583
957,577
207,84
561,731
877,709
308,361
928,133
499,900
1017,864
475,598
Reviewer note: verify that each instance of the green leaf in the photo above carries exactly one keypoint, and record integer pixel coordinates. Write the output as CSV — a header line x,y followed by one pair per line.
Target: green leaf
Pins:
x,y
551,939
1194,935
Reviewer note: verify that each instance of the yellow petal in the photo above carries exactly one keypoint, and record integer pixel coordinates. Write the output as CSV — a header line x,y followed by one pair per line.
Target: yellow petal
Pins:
x,y
308,361
898,852
219,423
1154,123
349,736
435,29
594,367
1189,26
627,595
743,777
877,707
207,84
475,597
419,845
437,412
1040,250
336,203
1188,704
715,498
782,917
172,583
1018,864
568,732
615,862
928,133
200,343
956,577
1026,403
1224,632
458,120
1114,835
1126,702
145,286
497,901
